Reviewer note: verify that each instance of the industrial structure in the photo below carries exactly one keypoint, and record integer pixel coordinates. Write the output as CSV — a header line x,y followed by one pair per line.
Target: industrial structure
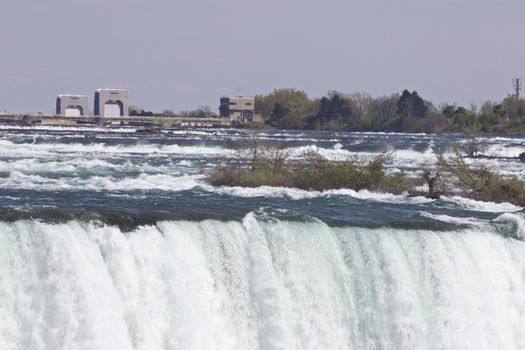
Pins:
x,y
111,107
72,105
239,109
111,103
108,103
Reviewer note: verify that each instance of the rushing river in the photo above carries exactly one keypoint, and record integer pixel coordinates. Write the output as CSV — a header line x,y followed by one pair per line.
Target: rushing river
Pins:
x,y
110,239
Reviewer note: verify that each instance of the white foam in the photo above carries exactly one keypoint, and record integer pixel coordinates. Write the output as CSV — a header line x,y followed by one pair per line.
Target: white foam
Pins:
x,y
258,284
411,158
297,194
14,150
502,150
517,221
68,128
470,221
471,204
143,181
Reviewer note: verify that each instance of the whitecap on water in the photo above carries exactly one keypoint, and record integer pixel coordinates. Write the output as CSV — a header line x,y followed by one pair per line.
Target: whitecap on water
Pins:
x,y
471,204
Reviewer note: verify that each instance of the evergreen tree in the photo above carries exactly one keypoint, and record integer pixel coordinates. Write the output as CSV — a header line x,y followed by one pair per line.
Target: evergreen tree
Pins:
x,y
334,113
278,113
411,105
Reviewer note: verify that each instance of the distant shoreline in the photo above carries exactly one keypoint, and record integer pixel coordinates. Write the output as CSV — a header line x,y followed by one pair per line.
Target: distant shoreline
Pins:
x,y
152,124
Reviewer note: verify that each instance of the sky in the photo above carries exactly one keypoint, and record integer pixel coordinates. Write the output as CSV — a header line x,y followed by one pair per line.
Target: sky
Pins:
x,y
181,54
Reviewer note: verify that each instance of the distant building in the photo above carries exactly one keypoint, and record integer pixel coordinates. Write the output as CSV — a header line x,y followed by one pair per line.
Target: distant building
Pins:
x,y
72,105
111,103
239,109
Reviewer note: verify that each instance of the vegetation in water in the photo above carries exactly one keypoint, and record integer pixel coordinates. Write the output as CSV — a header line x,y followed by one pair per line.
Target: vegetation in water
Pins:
x,y
481,183
261,164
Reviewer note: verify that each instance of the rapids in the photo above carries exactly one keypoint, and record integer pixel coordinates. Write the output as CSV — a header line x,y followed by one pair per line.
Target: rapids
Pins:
x,y
112,240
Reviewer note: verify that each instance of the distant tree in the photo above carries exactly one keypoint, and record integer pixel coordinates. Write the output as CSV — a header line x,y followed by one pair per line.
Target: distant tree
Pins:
x,y
449,111
461,110
146,113
466,120
421,108
134,110
297,103
434,122
201,112
361,104
407,111
382,111
515,108
294,100
405,105
492,116
168,113
499,110
335,113
411,105
140,112
206,112
279,112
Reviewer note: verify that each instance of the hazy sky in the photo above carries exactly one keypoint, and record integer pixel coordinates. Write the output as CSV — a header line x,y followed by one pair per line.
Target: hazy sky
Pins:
x,y
179,54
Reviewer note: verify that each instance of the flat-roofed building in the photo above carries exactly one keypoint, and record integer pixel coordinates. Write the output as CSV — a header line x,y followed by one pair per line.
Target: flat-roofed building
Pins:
x,y
111,103
71,105
239,109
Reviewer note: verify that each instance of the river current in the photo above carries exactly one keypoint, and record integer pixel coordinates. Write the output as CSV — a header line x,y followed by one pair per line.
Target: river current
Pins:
x,y
110,239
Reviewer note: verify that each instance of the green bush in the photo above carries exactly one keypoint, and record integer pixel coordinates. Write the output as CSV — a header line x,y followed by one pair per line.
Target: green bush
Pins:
x,y
272,165
257,164
480,183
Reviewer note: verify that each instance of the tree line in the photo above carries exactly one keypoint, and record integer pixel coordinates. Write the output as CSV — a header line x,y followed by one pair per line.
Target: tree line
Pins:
x,y
400,112
201,112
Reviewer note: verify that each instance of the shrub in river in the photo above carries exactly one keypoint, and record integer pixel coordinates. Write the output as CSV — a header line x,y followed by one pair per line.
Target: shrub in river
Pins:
x,y
257,164
481,183
313,171
254,164
475,147
435,182
272,165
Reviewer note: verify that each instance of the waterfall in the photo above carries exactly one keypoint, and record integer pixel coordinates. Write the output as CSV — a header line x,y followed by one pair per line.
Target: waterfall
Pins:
x,y
263,283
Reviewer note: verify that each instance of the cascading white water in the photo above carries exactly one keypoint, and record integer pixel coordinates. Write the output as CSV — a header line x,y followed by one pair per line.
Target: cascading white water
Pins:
x,y
258,284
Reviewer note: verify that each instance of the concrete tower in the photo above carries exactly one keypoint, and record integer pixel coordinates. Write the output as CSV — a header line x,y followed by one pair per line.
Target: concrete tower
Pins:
x,y
111,103
71,105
